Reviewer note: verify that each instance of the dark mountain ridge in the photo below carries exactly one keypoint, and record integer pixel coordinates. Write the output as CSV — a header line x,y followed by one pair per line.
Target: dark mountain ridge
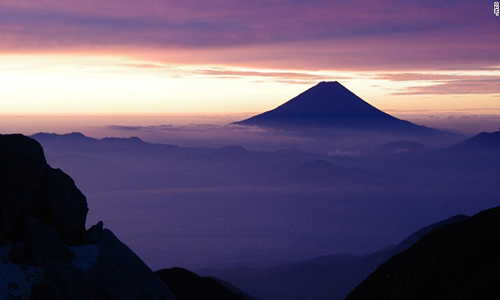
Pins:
x,y
457,261
326,277
186,285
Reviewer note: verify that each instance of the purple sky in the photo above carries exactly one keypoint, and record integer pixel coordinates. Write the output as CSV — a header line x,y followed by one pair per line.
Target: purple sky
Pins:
x,y
292,34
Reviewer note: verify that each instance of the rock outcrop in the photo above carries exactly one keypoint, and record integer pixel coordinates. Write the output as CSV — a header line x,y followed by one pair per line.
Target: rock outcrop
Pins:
x,y
30,187
44,243
120,280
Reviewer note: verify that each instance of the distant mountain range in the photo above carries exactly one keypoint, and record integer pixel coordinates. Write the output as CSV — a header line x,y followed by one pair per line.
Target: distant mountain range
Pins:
x,y
133,163
329,105
122,161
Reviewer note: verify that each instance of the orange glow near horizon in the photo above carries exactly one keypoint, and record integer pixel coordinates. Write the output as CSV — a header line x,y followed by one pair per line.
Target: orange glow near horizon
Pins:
x,y
71,84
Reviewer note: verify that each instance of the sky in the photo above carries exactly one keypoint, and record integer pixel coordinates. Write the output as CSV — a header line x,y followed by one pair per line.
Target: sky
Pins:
x,y
161,57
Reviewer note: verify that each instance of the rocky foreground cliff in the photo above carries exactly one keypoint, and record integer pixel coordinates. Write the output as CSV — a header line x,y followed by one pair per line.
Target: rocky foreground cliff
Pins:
x,y
45,250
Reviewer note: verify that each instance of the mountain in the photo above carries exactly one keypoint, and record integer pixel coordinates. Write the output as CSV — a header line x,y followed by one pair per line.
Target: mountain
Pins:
x,y
458,261
326,277
45,250
329,105
485,141
186,285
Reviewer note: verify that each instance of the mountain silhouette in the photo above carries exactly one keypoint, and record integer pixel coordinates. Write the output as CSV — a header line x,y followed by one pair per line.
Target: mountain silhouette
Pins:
x,y
331,105
485,141
457,261
186,285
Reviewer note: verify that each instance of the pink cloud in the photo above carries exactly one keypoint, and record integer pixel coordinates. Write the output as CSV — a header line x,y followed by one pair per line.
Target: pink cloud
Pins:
x,y
456,87
312,34
446,83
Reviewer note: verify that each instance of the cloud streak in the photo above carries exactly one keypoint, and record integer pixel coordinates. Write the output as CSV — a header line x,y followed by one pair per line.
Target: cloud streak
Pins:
x,y
295,77
442,84
190,127
317,34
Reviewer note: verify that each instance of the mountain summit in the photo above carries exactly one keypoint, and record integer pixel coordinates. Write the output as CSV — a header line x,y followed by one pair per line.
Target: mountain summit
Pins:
x,y
329,105
485,141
